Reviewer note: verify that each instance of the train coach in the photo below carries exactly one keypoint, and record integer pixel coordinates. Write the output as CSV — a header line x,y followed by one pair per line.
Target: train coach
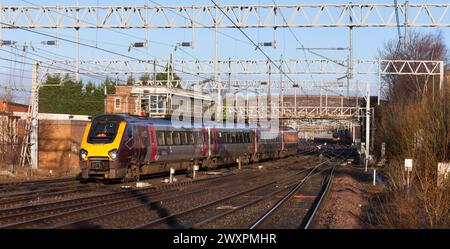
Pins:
x,y
123,147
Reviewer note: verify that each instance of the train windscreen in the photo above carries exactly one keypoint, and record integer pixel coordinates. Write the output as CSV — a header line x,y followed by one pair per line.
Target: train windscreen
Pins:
x,y
102,132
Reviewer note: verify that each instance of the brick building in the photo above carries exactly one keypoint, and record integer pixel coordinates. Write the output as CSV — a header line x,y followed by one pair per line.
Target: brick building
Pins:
x,y
9,107
150,101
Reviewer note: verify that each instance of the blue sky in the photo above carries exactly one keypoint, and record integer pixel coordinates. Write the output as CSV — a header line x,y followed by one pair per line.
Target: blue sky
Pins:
x,y
367,41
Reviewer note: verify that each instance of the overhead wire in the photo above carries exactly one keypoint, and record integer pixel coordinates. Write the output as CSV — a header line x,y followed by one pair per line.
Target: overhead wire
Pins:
x,y
119,32
304,50
253,42
397,19
50,66
104,50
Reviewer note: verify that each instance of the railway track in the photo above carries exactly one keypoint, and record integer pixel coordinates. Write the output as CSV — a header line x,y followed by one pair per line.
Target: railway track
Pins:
x,y
261,203
110,209
244,182
29,216
283,212
42,215
194,217
36,182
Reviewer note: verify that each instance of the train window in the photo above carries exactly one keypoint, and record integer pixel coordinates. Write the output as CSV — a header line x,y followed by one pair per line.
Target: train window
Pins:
x,y
168,137
176,138
160,135
130,131
102,132
233,137
184,139
239,137
191,138
247,137
224,138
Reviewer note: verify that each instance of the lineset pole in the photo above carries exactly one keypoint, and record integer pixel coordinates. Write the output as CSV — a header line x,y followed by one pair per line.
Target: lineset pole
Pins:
x,y
367,150
34,132
77,45
216,43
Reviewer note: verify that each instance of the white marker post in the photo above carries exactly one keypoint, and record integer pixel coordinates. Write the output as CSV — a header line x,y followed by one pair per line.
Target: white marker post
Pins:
x,y
172,172
374,176
366,163
195,171
408,169
443,173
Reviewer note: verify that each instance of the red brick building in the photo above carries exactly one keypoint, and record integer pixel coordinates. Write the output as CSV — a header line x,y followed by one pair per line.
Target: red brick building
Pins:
x,y
10,107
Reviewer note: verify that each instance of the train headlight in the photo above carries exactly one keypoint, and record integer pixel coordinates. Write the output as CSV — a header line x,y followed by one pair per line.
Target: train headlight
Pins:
x,y
113,154
83,153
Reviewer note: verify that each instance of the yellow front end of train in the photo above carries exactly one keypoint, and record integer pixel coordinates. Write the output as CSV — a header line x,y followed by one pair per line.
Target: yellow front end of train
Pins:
x,y
99,149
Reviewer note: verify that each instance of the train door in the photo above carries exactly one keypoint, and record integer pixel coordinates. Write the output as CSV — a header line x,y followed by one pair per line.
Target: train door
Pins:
x,y
141,145
204,138
153,143
214,142
254,147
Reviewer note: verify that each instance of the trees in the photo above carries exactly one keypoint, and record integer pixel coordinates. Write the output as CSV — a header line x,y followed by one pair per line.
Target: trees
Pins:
x,y
67,96
414,123
64,95
164,77
420,46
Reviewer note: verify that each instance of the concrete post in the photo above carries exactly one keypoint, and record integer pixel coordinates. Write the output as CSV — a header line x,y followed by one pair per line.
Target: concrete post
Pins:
x,y
367,150
34,134
195,169
172,172
374,176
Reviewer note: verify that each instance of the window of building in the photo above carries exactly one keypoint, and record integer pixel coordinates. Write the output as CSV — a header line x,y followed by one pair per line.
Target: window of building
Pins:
x,y
136,106
117,103
157,104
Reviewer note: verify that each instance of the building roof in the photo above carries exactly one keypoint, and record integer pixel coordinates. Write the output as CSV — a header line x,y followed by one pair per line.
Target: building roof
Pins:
x,y
7,106
143,90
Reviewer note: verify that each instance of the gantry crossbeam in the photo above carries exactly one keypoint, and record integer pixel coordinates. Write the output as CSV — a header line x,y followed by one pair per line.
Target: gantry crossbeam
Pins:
x,y
225,67
245,16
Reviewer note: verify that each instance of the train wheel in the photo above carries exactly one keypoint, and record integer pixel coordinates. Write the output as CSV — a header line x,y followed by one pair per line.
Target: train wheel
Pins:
x,y
133,174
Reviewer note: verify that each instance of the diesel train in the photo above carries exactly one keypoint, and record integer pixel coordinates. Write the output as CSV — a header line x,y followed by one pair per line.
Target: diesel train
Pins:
x,y
123,147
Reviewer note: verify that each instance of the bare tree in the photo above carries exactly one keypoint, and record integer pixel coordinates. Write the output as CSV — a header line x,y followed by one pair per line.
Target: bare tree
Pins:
x,y
420,46
7,96
415,124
